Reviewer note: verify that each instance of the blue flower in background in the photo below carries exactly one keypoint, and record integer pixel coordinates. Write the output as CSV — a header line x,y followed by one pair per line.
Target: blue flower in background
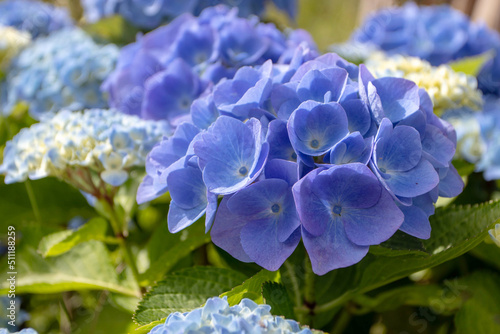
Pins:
x,y
149,14
216,316
63,70
161,74
318,150
437,34
36,17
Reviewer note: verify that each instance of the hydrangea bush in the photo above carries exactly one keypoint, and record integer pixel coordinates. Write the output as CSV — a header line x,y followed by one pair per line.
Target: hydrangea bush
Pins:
x,y
160,75
63,70
35,17
222,175
151,14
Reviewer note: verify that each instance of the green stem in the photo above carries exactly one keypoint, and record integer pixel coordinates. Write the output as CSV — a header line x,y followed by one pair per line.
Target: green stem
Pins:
x,y
332,304
342,322
34,205
309,296
127,252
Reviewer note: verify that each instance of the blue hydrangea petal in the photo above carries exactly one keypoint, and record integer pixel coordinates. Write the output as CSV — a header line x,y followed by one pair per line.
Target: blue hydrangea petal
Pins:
x,y
179,218
147,192
438,149
399,97
416,222
260,240
350,186
226,232
186,187
332,249
279,142
358,116
398,149
414,182
451,184
281,169
375,224
284,99
353,148
315,84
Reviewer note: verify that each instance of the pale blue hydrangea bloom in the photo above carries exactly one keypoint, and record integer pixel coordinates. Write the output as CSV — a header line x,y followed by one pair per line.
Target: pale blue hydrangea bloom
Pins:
x,y
61,71
104,141
495,234
218,317
23,331
35,17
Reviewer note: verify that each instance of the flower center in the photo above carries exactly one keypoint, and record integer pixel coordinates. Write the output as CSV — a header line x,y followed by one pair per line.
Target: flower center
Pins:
x,y
337,209
314,143
275,208
243,171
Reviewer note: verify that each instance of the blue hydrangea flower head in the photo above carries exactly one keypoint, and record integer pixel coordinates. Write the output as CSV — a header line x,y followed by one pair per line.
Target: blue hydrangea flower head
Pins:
x,y
216,316
160,75
318,150
35,17
74,145
63,70
437,34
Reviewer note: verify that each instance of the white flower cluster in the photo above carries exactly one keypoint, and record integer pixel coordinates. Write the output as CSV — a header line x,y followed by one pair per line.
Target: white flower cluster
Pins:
x,y
62,71
12,41
448,89
71,144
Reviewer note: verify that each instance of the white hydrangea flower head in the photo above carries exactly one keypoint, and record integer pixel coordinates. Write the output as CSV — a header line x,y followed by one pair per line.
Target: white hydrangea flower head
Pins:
x,y
448,89
74,145
12,41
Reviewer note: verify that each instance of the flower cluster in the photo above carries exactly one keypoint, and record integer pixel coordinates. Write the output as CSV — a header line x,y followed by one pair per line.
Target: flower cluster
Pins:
x,y
63,70
160,75
71,145
448,89
495,234
149,15
23,331
12,41
477,135
437,34
320,150
35,17
216,316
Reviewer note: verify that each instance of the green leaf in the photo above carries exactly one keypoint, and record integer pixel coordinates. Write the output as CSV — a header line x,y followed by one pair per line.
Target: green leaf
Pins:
x,y
481,312
400,244
184,291
61,242
471,65
276,296
412,295
252,287
57,202
87,266
455,231
166,249
489,253
147,328
114,29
